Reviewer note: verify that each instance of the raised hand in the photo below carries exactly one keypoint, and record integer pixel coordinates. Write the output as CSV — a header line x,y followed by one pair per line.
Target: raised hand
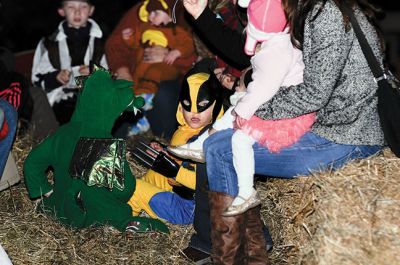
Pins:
x,y
195,7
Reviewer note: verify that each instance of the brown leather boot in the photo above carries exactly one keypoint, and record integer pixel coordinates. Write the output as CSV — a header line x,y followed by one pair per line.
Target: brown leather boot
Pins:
x,y
227,233
255,245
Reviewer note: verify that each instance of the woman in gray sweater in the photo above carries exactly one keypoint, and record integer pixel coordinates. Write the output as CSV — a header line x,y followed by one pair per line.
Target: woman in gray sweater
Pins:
x,y
338,85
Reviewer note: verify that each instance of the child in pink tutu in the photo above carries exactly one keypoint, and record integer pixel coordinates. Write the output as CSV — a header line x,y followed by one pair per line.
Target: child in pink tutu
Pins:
x,y
276,63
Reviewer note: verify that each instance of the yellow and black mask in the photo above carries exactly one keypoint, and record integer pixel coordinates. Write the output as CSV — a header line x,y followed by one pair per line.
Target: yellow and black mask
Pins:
x,y
200,91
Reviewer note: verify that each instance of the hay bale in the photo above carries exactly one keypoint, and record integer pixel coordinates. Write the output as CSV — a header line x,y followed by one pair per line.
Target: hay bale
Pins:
x,y
346,217
357,214
350,216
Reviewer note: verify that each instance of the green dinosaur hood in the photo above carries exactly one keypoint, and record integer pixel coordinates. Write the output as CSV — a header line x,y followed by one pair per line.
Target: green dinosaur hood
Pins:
x,y
101,102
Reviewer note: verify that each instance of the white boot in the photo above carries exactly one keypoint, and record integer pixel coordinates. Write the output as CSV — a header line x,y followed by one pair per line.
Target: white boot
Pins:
x,y
242,204
192,151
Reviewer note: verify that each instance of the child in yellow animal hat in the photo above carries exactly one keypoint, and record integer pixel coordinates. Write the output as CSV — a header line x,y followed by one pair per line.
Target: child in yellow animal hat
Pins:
x,y
156,28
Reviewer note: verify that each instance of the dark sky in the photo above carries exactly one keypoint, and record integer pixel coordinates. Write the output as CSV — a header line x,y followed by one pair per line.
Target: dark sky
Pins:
x,y
24,22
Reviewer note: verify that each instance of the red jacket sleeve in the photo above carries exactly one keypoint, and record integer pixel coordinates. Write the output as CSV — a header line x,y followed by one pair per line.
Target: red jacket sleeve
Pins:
x,y
4,129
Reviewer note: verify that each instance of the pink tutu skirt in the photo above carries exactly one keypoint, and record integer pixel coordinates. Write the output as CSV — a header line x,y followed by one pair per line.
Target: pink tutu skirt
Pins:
x,y
277,134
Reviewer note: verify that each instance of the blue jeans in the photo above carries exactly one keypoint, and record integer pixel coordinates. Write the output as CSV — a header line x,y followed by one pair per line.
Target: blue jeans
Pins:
x,y
10,115
311,153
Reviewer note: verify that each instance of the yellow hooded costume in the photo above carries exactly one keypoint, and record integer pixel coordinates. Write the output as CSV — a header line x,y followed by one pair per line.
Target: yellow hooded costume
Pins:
x,y
155,193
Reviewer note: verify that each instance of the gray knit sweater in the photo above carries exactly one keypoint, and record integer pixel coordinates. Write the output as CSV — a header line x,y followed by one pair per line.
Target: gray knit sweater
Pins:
x,y
338,83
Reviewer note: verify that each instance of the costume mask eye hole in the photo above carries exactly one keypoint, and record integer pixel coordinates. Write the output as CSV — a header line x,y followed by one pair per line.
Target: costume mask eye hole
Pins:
x,y
186,102
203,103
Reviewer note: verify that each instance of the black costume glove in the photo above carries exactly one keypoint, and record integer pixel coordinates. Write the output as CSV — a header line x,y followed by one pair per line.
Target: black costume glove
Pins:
x,y
160,162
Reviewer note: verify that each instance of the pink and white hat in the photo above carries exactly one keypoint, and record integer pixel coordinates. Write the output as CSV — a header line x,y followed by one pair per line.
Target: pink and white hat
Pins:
x,y
265,17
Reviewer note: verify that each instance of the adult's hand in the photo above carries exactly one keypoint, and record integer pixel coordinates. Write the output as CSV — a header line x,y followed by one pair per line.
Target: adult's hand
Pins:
x,y
154,54
226,80
123,73
195,7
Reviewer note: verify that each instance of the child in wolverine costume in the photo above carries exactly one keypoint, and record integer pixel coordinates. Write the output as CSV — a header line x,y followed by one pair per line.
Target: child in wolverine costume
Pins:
x,y
160,195
101,198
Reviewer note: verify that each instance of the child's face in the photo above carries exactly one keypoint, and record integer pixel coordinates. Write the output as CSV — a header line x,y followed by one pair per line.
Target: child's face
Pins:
x,y
200,119
76,13
159,17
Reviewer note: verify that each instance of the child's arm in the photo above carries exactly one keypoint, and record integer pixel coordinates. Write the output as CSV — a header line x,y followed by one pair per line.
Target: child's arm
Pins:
x,y
187,176
44,75
118,54
35,167
182,41
163,164
270,67
128,37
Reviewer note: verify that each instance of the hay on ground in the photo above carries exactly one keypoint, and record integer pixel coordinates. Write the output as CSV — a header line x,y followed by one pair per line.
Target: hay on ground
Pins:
x,y
345,217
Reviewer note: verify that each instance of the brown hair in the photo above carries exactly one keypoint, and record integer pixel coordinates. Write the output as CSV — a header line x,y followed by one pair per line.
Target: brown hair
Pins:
x,y
297,11
216,5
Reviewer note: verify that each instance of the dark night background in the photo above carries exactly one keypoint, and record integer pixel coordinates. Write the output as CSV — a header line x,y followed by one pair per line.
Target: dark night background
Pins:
x,y
23,23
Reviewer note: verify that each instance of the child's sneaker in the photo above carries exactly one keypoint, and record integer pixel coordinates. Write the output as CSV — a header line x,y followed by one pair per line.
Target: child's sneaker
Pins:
x,y
141,126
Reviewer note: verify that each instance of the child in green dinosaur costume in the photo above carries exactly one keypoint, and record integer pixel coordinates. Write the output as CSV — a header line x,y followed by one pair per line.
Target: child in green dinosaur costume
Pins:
x,y
72,200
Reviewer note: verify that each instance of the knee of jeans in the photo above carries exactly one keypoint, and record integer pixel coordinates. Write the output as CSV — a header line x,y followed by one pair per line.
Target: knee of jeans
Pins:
x,y
207,145
211,148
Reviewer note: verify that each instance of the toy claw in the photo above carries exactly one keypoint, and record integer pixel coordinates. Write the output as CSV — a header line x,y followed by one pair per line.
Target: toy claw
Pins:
x,y
157,161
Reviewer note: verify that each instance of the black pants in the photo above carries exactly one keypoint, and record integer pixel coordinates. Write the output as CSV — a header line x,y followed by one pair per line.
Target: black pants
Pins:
x,y
162,117
201,239
64,109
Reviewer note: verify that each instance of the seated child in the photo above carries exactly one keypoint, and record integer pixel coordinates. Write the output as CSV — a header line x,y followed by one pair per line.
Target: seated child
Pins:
x,y
277,63
66,54
92,181
156,28
160,195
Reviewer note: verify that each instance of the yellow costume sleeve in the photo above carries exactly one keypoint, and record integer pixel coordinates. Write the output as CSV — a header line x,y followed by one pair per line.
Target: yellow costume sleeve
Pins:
x,y
187,177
